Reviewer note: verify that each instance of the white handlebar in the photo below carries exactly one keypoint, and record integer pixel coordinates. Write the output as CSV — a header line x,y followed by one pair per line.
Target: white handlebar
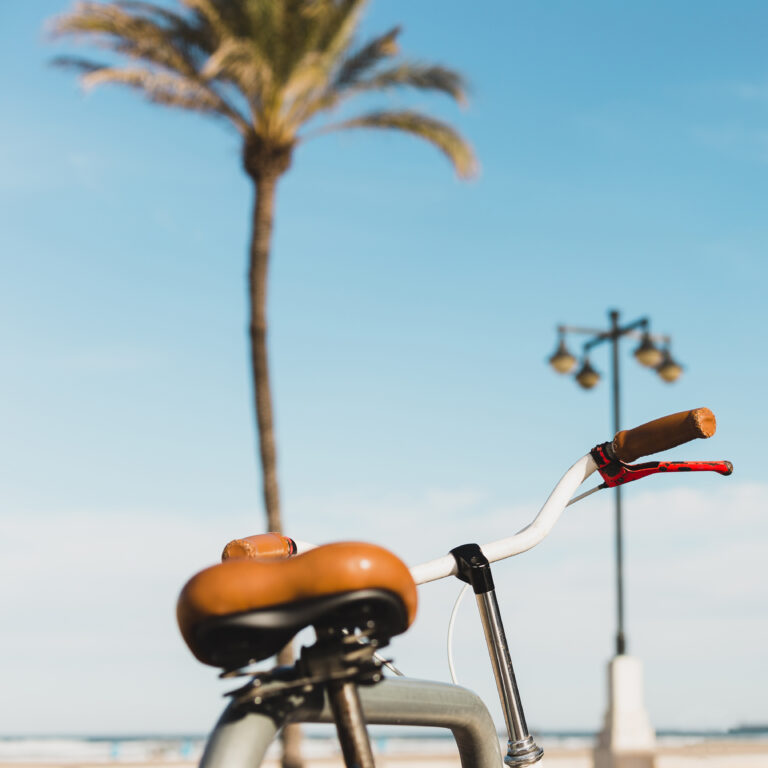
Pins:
x,y
524,539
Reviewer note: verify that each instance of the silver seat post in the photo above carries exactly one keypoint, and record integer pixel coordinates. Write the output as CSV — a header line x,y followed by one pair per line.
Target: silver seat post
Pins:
x,y
474,568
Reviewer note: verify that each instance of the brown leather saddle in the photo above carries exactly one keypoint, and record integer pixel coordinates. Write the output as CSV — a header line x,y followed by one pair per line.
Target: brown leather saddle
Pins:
x,y
249,606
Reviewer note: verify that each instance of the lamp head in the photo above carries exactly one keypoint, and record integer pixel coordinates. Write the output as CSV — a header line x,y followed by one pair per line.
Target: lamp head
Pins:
x,y
587,376
669,369
562,360
647,353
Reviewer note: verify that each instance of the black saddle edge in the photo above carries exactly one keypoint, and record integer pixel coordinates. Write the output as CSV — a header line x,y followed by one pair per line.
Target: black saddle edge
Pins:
x,y
238,639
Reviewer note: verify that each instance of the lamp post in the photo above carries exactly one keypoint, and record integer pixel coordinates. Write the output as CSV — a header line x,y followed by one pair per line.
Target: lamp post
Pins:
x,y
627,729
647,354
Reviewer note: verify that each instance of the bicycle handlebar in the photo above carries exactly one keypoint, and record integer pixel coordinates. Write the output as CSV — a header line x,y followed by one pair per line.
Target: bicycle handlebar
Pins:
x,y
660,434
628,445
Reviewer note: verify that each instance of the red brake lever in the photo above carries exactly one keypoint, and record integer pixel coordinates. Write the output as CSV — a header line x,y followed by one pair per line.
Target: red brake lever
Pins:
x,y
615,472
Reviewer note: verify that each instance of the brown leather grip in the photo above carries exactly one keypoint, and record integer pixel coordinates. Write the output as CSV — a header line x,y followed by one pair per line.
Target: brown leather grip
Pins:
x,y
663,433
270,546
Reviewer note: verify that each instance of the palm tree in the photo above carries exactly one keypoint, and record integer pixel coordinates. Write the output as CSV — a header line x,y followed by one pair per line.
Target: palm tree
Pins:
x,y
269,68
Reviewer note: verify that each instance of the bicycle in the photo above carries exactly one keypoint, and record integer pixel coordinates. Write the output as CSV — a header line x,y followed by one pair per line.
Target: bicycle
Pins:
x,y
357,597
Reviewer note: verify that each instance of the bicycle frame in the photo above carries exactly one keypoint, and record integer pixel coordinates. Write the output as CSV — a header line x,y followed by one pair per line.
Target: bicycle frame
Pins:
x,y
242,736
246,729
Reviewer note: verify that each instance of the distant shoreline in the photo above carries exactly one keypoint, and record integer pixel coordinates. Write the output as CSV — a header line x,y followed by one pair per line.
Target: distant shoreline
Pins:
x,y
676,749
747,730
733,753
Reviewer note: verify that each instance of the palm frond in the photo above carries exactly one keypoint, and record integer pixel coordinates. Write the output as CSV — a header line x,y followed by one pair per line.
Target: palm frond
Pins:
x,y
269,66
76,63
238,62
338,32
351,79
132,34
436,132
169,45
320,29
422,77
159,87
326,29
210,12
365,59
190,36
152,11
327,33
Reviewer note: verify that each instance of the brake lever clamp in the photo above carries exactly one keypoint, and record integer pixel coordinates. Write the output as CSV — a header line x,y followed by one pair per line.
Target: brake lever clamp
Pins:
x,y
615,472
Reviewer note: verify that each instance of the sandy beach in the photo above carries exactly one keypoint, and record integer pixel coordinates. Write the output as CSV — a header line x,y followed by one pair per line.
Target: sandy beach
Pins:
x,y
724,754
710,754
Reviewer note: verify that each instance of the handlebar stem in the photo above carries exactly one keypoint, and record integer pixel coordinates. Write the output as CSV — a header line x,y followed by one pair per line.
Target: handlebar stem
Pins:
x,y
473,567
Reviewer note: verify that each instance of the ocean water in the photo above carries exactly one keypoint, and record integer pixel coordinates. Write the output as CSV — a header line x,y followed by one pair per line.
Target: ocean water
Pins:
x,y
189,748
84,749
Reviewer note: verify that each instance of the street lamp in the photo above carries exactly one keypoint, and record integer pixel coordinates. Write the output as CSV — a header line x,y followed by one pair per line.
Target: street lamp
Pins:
x,y
627,729
562,360
668,369
587,376
648,354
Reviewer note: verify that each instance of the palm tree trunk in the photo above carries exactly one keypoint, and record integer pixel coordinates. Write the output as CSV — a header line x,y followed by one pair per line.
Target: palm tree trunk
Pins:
x,y
263,214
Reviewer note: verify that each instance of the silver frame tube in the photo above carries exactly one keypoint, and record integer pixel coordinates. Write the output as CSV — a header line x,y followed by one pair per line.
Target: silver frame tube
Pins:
x,y
241,738
503,672
521,748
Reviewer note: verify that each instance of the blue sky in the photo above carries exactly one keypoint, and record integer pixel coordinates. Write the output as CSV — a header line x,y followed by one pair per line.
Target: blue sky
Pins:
x,y
624,155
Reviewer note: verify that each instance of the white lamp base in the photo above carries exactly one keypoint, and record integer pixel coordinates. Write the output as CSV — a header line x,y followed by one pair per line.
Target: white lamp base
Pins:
x,y
627,739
